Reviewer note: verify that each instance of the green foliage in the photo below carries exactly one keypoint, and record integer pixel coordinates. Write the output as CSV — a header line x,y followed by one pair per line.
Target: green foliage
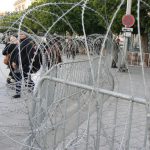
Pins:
x,y
41,19
10,22
72,21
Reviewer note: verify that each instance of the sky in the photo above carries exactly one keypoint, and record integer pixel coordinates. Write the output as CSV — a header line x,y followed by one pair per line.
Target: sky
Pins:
x,y
6,5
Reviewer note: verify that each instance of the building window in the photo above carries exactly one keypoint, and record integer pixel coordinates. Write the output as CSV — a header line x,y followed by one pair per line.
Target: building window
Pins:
x,y
22,7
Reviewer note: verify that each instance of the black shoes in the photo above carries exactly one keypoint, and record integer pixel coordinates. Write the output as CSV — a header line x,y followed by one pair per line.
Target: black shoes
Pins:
x,y
10,80
114,67
16,96
123,69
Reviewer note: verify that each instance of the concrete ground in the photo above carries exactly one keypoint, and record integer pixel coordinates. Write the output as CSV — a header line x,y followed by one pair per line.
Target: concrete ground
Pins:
x,y
14,124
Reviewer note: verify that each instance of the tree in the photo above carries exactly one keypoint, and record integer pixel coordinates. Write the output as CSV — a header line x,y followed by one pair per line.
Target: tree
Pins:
x,y
70,22
10,22
109,7
96,20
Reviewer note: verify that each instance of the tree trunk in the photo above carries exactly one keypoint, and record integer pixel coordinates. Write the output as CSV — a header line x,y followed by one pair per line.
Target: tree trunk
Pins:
x,y
144,42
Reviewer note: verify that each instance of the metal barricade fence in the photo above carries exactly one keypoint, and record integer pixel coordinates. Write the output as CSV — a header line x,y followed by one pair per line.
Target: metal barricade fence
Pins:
x,y
69,112
134,59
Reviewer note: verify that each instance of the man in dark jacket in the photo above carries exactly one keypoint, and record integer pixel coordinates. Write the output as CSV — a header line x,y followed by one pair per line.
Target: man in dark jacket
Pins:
x,y
22,63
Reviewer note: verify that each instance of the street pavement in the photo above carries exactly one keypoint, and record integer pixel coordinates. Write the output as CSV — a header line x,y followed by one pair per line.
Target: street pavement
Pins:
x,y
14,124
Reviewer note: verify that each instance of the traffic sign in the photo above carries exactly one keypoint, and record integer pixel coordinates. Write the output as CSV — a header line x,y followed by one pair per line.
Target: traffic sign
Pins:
x,y
127,29
127,34
128,20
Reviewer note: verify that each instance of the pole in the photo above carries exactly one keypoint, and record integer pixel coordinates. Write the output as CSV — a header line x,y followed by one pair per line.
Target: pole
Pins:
x,y
123,67
128,10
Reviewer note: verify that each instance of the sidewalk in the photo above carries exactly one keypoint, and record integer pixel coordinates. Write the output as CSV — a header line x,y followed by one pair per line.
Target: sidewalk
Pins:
x,y
132,83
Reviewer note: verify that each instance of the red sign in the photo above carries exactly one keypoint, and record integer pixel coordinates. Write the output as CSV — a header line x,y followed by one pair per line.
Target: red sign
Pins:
x,y
128,21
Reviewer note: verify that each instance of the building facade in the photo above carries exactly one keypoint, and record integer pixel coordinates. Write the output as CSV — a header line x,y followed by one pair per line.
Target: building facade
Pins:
x,y
2,13
21,5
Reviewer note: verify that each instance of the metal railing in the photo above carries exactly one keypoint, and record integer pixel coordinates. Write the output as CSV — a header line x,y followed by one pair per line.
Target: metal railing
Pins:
x,y
70,112
134,59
